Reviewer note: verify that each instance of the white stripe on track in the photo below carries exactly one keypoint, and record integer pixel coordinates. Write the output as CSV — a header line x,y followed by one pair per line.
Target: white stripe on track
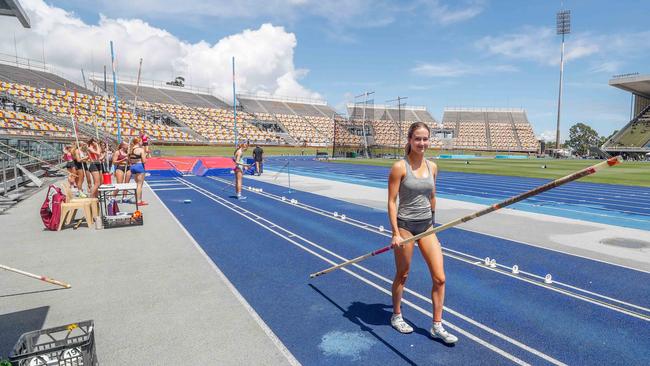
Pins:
x,y
473,260
169,189
267,330
240,211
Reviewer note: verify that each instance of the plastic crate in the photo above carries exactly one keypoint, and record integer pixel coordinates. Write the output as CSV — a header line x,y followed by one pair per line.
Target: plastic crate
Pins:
x,y
121,220
67,345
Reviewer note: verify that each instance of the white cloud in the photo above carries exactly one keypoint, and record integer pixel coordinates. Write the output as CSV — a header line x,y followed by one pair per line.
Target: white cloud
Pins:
x,y
452,69
264,56
444,15
548,135
457,69
542,45
609,67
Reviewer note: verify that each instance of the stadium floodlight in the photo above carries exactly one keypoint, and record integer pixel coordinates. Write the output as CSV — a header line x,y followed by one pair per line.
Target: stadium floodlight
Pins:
x,y
12,8
363,120
563,20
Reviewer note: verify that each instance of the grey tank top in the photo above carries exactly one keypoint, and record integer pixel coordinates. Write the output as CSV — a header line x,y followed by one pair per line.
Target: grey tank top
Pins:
x,y
415,195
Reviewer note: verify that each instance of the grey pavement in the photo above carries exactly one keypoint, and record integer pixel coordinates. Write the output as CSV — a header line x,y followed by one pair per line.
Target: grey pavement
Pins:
x,y
155,297
613,244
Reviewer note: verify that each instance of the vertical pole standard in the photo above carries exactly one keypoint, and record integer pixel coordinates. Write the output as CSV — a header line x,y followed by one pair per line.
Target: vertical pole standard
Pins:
x,y
137,86
117,114
234,100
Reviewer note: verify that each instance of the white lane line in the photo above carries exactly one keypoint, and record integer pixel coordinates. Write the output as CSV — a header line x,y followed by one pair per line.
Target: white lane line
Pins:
x,y
473,231
588,192
170,189
172,183
267,330
505,271
538,200
241,211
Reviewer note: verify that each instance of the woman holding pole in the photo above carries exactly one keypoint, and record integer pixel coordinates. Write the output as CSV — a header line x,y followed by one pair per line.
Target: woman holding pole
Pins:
x,y
137,159
238,158
121,163
70,165
94,166
413,180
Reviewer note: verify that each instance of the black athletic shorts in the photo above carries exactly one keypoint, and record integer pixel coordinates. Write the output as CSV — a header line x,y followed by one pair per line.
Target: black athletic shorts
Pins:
x,y
124,168
415,227
80,166
94,166
70,164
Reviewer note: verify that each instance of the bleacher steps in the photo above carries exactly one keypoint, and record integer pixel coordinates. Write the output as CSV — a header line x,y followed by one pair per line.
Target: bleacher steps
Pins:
x,y
49,117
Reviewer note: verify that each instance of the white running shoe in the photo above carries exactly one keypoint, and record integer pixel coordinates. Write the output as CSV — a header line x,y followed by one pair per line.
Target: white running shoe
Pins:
x,y
437,331
400,325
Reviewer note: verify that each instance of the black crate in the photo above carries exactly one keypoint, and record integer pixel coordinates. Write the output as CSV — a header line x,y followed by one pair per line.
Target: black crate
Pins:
x,y
67,345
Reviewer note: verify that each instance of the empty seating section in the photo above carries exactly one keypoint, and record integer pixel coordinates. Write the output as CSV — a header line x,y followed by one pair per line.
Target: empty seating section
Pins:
x,y
526,137
217,125
635,134
40,79
502,136
300,129
490,129
306,123
471,135
25,124
91,110
260,120
302,109
342,132
387,133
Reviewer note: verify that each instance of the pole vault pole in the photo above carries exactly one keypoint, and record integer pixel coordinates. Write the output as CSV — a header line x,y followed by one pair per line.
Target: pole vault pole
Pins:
x,y
535,191
42,278
234,100
117,114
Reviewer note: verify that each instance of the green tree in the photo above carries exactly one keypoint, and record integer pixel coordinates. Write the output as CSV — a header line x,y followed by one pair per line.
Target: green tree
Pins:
x,y
581,137
604,139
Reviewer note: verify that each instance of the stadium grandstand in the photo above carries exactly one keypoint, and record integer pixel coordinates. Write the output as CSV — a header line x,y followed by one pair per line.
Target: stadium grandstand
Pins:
x,y
634,138
37,101
298,121
387,126
490,129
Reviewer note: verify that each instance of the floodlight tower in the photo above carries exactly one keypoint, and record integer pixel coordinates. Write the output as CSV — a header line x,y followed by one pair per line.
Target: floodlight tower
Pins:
x,y
563,19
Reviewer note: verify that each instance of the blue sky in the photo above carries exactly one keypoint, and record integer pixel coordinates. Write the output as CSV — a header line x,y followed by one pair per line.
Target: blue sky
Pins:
x,y
437,53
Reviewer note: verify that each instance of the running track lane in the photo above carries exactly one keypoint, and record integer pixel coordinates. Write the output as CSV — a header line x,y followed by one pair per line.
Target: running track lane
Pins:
x,y
468,283
603,203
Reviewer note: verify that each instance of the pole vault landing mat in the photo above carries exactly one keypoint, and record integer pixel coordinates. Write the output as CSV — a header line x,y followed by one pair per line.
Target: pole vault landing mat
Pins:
x,y
178,166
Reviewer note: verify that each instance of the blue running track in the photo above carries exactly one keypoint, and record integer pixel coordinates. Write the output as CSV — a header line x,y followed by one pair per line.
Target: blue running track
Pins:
x,y
592,312
603,203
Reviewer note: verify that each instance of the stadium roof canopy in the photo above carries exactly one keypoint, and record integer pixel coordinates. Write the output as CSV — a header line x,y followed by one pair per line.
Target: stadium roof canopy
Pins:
x,y
634,83
12,8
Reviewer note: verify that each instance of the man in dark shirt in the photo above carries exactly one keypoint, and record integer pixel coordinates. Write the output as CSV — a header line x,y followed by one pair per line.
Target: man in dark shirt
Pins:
x,y
258,156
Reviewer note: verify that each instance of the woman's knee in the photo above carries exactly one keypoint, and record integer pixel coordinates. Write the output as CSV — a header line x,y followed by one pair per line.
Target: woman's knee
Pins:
x,y
439,280
402,275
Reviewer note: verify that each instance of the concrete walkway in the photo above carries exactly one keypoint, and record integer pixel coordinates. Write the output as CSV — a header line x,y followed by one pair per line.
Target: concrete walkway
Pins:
x,y
155,297
629,247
